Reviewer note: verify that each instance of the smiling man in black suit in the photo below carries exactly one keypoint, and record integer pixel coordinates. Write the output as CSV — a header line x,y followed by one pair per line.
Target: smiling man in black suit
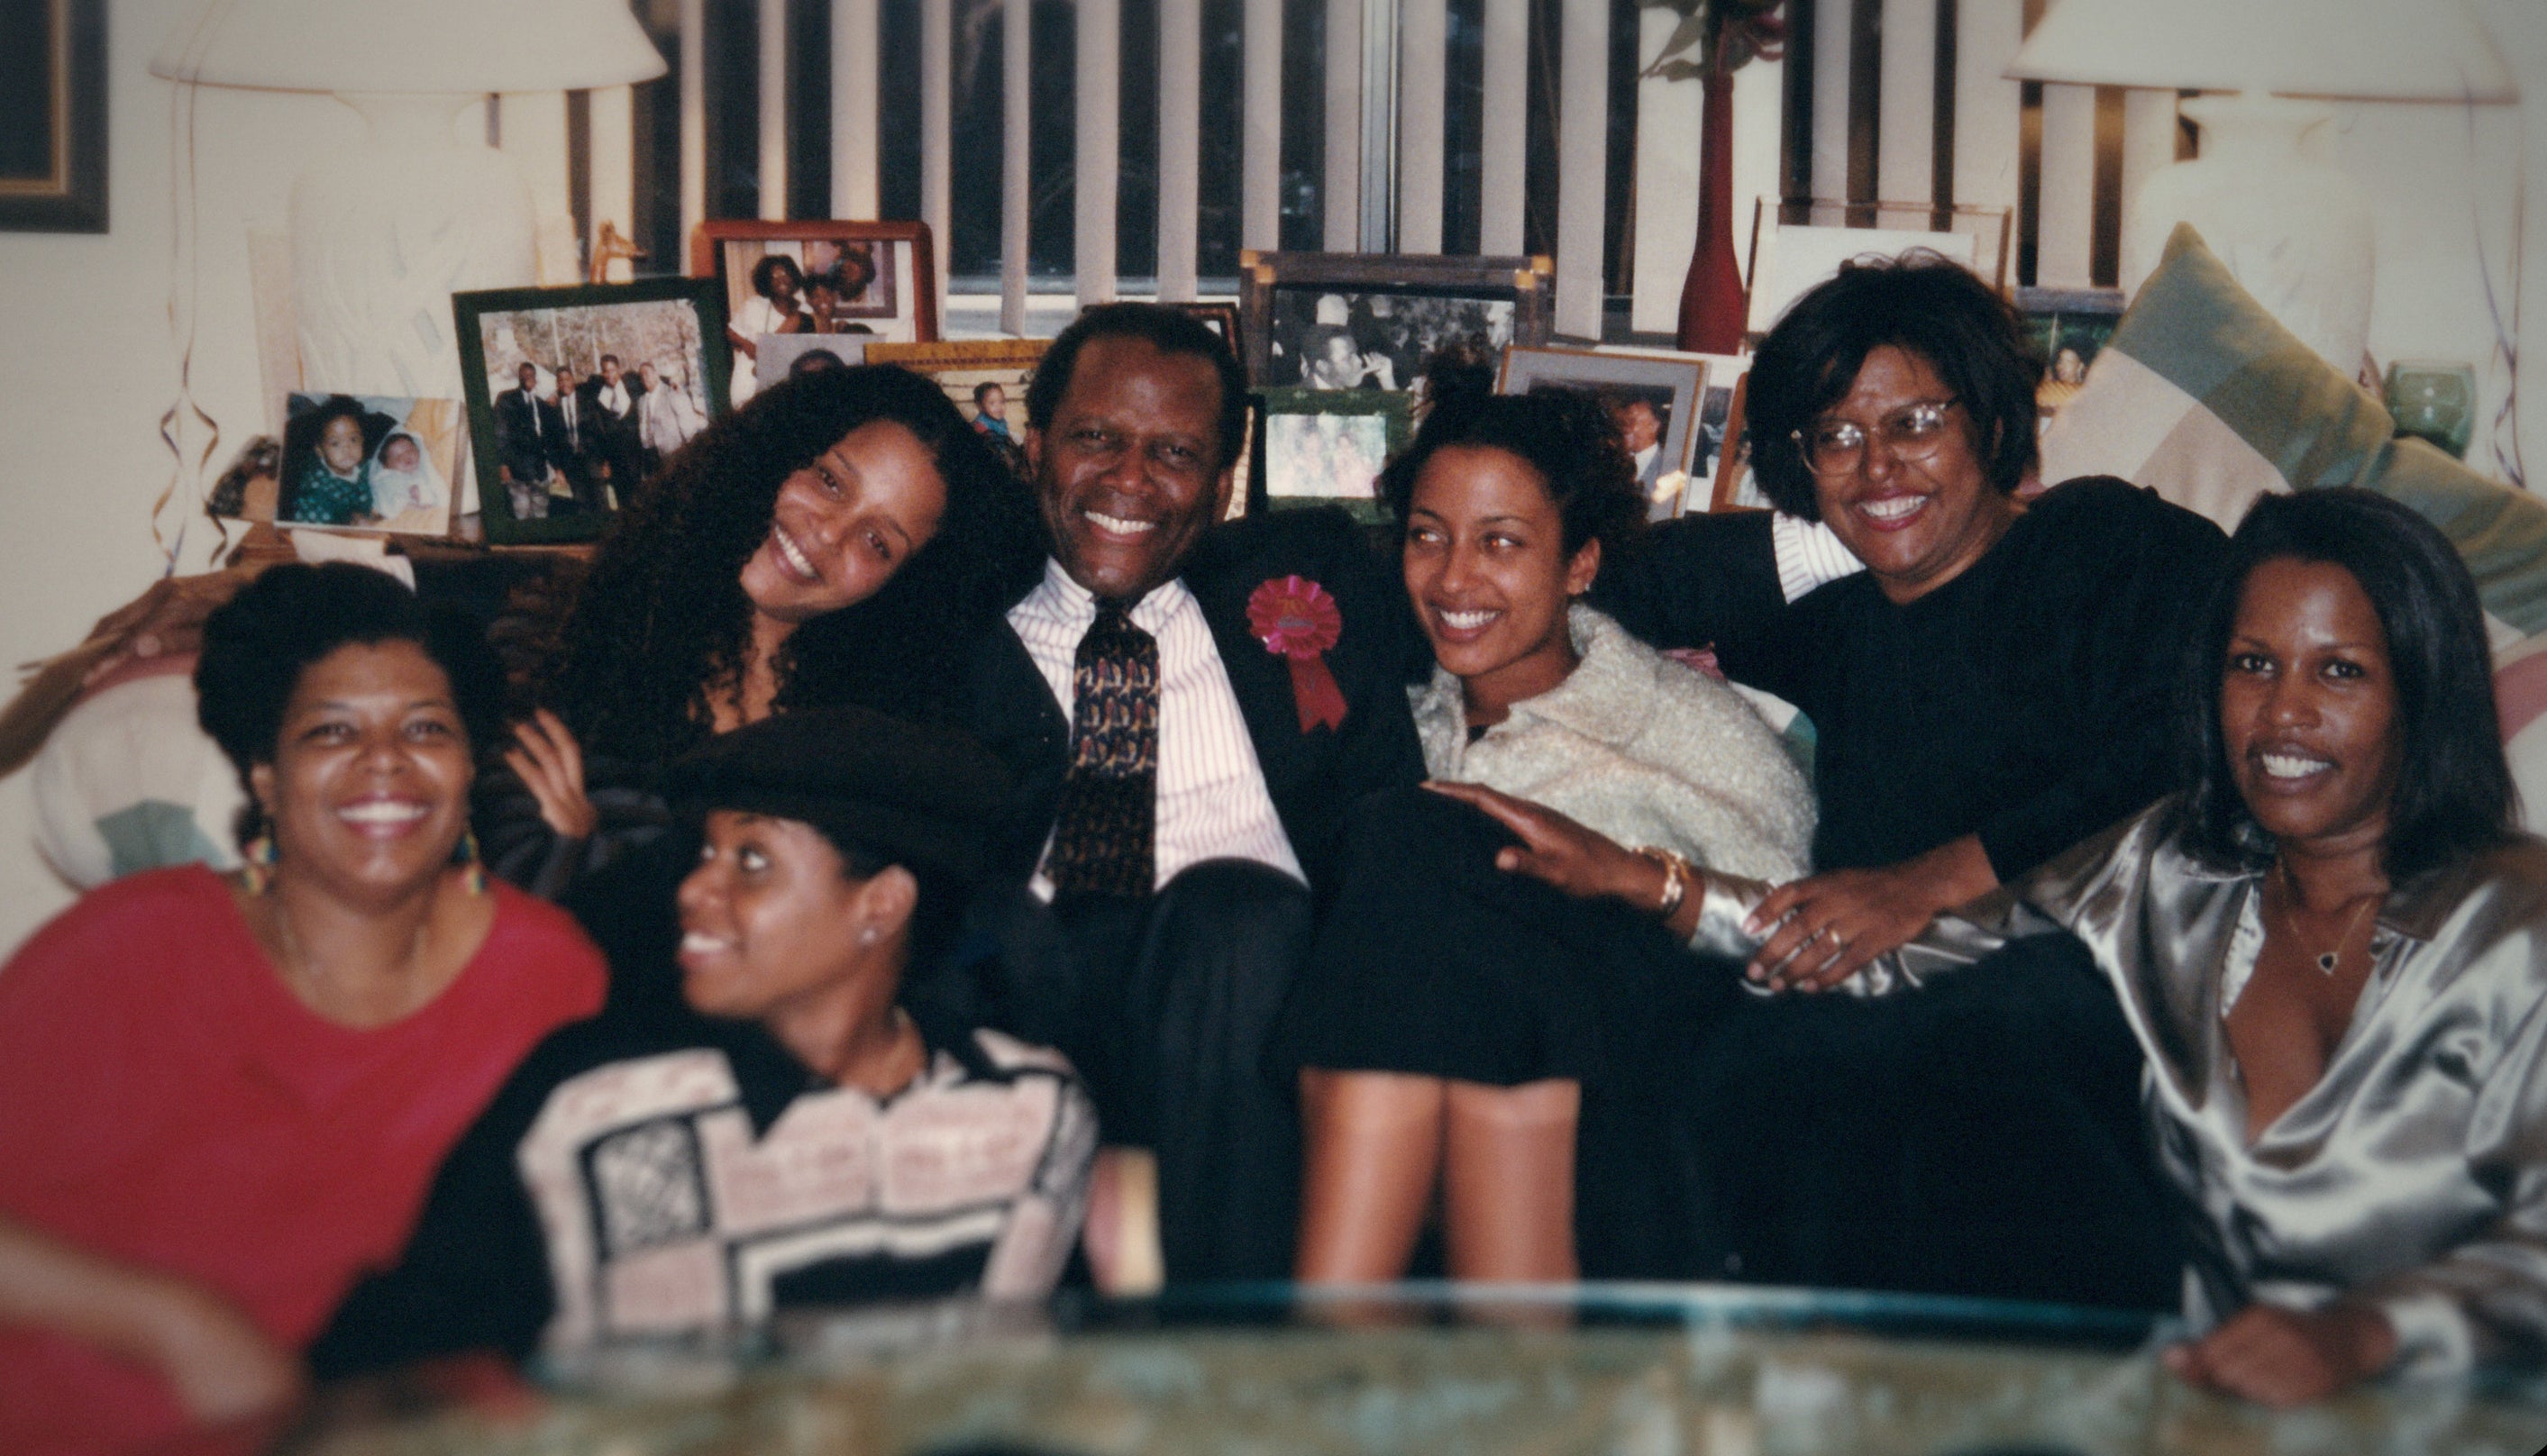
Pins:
x,y
1182,781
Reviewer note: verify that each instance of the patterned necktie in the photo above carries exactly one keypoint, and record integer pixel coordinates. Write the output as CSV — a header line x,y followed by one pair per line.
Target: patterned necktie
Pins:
x,y
1104,838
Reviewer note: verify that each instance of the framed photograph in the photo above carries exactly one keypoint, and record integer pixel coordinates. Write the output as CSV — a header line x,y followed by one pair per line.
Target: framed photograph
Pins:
x,y
1733,488
358,462
1797,242
53,116
785,355
1368,322
986,378
575,396
875,280
1654,398
2068,327
1326,447
1221,319
1787,262
1724,375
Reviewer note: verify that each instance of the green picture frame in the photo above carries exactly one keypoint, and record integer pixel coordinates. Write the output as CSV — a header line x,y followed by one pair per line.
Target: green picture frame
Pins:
x,y
1326,448
665,321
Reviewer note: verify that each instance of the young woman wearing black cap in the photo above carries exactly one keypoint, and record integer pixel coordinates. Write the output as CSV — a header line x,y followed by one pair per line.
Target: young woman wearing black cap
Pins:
x,y
786,1133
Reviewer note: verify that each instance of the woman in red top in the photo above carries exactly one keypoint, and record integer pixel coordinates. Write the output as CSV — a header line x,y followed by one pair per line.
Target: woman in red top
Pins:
x,y
220,1101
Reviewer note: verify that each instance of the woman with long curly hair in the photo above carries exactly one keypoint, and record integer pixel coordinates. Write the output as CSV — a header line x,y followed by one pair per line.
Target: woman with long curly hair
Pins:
x,y
838,540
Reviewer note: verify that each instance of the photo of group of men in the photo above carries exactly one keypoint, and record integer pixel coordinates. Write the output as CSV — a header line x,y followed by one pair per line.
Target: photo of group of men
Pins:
x,y
577,430
582,442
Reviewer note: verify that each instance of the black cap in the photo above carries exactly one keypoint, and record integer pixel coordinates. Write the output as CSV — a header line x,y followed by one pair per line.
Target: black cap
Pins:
x,y
926,798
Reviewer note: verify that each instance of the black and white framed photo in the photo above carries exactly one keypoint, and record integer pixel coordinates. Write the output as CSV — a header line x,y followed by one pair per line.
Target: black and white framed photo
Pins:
x,y
1325,447
1343,323
868,280
1653,399
576,394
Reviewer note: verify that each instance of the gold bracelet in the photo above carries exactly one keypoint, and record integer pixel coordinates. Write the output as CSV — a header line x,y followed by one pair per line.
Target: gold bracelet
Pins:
x,y
1677,875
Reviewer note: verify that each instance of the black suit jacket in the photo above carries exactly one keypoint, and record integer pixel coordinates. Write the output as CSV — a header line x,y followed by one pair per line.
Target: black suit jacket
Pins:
x,y
613,437
571,444
529,432
1313,777
614,424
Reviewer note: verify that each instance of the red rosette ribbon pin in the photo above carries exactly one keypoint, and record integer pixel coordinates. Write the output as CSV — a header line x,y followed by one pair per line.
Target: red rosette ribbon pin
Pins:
x,y
1298,622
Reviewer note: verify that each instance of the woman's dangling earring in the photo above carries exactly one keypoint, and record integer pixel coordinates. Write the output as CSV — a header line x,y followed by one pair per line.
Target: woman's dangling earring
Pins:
x,y
473,862
256,864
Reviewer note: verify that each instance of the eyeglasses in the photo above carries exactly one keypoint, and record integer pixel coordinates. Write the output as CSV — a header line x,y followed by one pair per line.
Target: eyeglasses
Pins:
x,y
1913,432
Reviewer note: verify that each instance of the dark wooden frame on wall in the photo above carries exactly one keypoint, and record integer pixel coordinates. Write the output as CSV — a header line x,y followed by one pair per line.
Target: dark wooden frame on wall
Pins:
x,y
70,195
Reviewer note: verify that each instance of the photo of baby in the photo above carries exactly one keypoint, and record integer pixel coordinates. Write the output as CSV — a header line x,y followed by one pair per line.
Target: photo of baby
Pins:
x,y
368,461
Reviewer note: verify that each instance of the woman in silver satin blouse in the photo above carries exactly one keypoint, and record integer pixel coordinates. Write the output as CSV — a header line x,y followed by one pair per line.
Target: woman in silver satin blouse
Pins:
x,y
2334,950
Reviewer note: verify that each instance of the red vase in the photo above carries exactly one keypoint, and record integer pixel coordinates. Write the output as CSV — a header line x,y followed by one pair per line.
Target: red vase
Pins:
x,y
1711,301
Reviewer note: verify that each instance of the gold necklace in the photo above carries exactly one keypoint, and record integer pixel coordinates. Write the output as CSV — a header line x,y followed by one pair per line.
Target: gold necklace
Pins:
x,y
2326,960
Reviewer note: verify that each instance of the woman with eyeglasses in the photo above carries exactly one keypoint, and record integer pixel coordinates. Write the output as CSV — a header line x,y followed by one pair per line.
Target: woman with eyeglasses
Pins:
x,y
2331,945
1995,686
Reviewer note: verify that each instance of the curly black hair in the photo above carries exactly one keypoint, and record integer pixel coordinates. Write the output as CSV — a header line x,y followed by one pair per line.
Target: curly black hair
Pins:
x,y
1565,435
768,268
258,643
1923,303
661,621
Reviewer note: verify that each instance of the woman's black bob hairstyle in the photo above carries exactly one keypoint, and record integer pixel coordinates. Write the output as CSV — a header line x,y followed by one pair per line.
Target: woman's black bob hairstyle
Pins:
x,y
2454,794
1565,435
257,644
1923,304
661,624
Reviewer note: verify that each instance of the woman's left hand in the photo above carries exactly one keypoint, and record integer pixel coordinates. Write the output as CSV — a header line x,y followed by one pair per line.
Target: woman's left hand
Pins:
x,y
1556,849
2287,1357
1836,923
550,765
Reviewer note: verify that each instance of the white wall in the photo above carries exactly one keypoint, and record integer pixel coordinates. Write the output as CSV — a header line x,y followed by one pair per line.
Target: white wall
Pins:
x,y
2445,188
89,360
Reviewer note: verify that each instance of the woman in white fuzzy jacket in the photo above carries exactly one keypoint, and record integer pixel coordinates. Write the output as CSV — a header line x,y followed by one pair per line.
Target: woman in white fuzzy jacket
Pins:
x,y
1484,1031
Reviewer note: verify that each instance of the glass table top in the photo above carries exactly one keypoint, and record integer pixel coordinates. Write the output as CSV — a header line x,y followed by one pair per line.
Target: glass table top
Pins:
x,y
1640,1370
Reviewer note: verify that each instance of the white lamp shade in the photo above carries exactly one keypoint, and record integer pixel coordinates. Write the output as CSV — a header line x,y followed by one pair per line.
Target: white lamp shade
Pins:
x,y
2352,50
440,46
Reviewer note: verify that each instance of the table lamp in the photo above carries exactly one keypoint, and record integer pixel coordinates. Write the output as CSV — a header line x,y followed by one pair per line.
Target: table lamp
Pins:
x,y
2295,231
382,235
